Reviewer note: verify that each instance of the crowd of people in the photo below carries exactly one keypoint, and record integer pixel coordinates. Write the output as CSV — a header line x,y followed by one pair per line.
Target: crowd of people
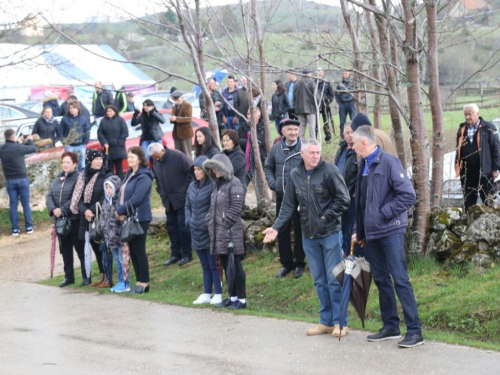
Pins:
x,y
362,198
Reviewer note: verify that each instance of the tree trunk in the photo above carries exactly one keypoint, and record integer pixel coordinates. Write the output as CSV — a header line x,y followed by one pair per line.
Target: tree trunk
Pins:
x,y
418,137
438,141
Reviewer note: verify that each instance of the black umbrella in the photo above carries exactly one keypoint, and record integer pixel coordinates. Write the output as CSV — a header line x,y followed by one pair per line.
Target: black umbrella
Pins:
x,y
230,268
354,275
107,261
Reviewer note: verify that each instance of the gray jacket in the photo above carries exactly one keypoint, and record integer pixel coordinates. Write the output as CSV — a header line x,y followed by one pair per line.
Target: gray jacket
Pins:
x,y
303,96
226,206
111,226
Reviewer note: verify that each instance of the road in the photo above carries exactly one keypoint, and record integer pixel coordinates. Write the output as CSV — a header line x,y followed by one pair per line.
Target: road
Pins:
x,y
47,330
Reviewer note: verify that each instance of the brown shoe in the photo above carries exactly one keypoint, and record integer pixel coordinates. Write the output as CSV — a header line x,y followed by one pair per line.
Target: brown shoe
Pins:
x,y
320,329
93,285
104,283
337,332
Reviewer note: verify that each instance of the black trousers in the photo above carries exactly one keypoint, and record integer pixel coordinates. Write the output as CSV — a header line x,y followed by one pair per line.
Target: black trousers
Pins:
x,y
285,241
98,255
326,123
474,185
238,287
117,167
66,245
138,255
292,115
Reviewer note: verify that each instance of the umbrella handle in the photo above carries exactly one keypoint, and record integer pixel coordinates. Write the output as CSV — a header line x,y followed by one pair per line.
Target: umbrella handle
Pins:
x,y
107,148
352,247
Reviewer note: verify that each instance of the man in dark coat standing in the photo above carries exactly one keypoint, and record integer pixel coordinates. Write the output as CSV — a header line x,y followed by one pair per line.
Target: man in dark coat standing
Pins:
x,y
384,193
289,87
172,170
325,97
478,156
283,158
305,104
347,105
241,103
18,184
183,128
101,99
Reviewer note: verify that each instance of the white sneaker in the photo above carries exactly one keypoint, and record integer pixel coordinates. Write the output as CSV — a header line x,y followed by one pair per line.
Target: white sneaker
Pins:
x,y
203,298
217,298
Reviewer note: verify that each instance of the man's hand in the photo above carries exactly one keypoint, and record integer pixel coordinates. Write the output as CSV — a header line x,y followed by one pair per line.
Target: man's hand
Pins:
x,y
173,118
20,139
57,212
30,137
495,174
224,119
271,235
235,120
354,237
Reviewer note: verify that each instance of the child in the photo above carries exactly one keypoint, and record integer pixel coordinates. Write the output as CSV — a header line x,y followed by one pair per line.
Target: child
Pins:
x,y
112,229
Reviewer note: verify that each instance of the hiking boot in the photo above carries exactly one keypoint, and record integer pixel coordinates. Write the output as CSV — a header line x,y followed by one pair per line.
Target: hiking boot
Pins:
x,y
385,334
337,332
411,340
101,279
320,329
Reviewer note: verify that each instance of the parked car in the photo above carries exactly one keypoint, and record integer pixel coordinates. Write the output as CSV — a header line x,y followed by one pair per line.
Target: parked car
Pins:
x,y
12,112
132,140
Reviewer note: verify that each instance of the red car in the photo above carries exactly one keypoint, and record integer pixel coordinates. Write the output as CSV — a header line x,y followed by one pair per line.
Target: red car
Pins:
x,y
132,139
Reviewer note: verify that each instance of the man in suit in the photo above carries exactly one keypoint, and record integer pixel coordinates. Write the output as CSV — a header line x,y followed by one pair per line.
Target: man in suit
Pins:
x,y
183,129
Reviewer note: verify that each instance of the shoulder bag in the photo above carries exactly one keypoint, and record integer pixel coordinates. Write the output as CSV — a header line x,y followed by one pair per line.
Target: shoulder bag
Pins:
x,y
131,228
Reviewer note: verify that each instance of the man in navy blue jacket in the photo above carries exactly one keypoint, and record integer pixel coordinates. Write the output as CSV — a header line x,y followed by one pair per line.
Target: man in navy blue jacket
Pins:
x,y
384,193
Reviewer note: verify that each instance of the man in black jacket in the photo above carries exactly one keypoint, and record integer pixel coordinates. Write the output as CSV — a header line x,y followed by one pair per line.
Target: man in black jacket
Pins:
x,y
325,96
347,105
319,189
283,158
289,87
101,99
478,156
18,184
172,170
241,103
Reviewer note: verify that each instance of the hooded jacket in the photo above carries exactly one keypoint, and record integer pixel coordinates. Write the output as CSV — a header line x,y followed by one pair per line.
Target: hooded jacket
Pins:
x,y
173,175
281,161
197,206
52,102
322,196
137,195
111,226
114,132
226,205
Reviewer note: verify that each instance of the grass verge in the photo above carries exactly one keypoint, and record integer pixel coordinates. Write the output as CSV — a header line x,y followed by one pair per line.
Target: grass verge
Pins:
x,y
41,220
456,305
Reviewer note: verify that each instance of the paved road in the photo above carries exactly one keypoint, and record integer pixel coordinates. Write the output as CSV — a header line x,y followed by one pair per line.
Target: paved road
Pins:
x,y
47,330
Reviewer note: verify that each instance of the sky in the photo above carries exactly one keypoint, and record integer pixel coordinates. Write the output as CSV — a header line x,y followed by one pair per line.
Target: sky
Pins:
x,y
76,11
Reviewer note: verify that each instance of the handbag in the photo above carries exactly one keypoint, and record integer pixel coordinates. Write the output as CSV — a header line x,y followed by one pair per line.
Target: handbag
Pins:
x,y
63,226
131,228
95,226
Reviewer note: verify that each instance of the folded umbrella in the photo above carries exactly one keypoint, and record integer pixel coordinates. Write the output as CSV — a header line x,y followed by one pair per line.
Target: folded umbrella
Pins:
x,y
88,254
126,260
52,252
354,275
107,261
230,268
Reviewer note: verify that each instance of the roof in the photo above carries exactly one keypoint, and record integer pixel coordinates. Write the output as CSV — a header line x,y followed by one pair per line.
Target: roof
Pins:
x,y
66,65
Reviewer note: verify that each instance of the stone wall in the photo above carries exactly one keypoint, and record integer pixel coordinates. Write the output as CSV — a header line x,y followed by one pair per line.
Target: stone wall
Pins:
x,y
471,238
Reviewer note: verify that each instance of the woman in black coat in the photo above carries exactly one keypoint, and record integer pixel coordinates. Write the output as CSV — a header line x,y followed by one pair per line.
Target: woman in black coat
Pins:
x,y
205,143
231,141
47,126
149,120
196,209
89,190
58,202
112,134
225,225
280,103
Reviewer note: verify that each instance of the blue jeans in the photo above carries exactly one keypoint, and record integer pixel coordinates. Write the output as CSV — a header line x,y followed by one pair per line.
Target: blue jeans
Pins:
x,y
81,152
277,124
145,144
19,189
230,124
118,257
387,258
322,255
180,235
344,110
210,273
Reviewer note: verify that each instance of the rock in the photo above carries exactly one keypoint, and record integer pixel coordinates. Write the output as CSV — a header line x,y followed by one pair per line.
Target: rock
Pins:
x,y
464,253
483,246
445,218
254,239
486,228
158,224
481,260
460,230
263,205
476,211
431,243
446,244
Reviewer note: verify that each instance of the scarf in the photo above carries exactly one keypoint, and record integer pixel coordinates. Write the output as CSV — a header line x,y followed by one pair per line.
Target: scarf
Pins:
x,y
77,192
49,120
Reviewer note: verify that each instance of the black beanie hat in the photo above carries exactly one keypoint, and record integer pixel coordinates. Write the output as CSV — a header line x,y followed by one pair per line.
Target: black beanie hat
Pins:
x,y
92,153
359,120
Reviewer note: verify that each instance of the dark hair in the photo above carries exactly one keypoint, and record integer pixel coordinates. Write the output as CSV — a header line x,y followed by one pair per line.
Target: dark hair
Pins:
x,y
72,156
280,86
149,102
207,145
8,133
72,97
233,136
113,108
137,150
230,77
76,105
